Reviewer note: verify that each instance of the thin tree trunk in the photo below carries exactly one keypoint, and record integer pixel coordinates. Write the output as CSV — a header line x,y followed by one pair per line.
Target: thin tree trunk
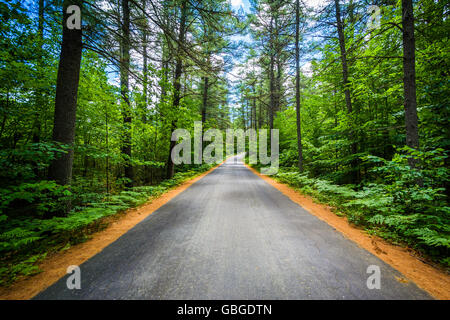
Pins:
x,y
341,36
255,120
271,76
260,120
177,84
205,98
277,63
125,92
39,93
145,87
348,100
335,125
107,149
204,108
278,85
272,92
297,85
145,77
409,79
5,115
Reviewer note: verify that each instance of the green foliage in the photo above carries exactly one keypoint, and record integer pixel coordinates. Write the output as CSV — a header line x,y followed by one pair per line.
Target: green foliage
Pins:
x,y
20,163
36,198
22,236
26,267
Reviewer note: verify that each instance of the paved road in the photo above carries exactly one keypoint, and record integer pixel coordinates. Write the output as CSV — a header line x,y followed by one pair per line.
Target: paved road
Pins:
x,y
232,236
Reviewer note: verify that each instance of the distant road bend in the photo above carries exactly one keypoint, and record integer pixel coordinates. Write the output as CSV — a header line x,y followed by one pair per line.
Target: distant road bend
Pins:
x,y
232,236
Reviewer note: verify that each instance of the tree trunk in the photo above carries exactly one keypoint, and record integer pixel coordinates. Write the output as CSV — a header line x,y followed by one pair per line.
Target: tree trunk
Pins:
x,y
39,94
272,91
341,36
205,99
297,85
255,118
260,119
145,77
271,75
348,101
278,85
409,79
177,84
68,77
107,150
125,92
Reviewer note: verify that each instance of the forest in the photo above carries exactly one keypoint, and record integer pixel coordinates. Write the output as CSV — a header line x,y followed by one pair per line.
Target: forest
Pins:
x,y
359,91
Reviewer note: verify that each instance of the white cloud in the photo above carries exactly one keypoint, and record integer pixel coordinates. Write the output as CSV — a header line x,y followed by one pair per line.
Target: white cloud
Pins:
x,y
307,69
316,4
236,3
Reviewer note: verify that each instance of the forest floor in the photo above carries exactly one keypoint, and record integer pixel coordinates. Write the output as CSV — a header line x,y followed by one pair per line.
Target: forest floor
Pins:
x,y
232,235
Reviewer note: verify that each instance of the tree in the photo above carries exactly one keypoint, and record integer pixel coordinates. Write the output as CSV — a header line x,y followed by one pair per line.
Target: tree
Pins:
x,y
409,79
66,97
348,100
297,85
177,80
125,92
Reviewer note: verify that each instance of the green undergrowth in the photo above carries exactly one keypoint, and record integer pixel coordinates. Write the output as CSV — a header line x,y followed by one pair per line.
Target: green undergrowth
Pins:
x,y
25,241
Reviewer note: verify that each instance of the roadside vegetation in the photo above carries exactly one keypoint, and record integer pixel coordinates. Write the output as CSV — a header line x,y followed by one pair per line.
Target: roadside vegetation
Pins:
x,y
364,123
26,240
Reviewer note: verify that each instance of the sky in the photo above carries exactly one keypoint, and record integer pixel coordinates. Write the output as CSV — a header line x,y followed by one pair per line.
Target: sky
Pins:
x,y
238,3
245,5
233,75
233,97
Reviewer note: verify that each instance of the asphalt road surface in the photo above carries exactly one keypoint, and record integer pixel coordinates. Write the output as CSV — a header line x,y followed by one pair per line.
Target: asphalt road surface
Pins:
x,y
231,235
